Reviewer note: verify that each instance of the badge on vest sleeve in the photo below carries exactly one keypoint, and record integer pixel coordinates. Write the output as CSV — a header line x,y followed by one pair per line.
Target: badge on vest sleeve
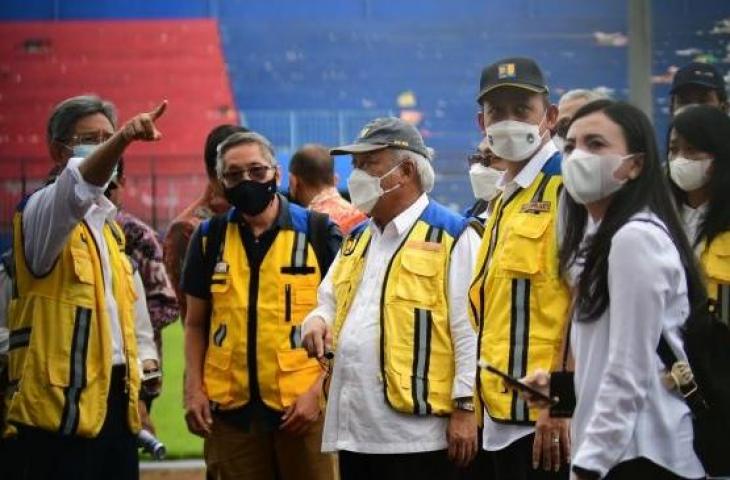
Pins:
x,y
535,207
348,247
421,245
221,267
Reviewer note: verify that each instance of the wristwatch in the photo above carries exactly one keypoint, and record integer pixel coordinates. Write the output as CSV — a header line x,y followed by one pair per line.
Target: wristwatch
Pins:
x,y
465,403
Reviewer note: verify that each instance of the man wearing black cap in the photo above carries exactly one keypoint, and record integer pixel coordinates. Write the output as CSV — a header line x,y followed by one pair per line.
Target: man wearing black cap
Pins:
x,y
517,297
392,312
698,83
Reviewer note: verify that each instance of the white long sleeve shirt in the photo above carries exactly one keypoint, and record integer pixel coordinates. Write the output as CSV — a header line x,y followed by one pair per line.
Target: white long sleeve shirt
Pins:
x,y
357,418
623,409
49,217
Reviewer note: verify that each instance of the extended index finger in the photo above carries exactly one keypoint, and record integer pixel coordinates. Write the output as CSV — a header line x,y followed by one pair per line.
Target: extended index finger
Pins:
x,y
157,112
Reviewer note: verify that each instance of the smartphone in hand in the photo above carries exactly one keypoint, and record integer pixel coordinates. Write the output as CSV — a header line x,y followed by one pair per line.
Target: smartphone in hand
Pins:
x,y
515,384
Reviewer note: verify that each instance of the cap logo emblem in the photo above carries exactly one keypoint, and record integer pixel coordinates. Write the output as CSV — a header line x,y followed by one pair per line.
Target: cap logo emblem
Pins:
x,y
507,70
402,143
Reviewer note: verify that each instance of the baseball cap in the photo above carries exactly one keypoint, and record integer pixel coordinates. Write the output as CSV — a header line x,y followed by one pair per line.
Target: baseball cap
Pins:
x,y
696,73
517,72
385,132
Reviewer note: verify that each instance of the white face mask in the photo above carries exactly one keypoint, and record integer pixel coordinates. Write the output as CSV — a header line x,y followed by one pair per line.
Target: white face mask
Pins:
x,y
589,177
365,189
690,174
484,181
514,141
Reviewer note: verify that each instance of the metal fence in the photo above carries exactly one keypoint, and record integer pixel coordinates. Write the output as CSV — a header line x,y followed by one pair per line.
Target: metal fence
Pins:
x,y
289,129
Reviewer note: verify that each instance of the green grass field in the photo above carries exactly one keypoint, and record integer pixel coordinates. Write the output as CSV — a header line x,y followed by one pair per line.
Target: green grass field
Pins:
x,y
167,410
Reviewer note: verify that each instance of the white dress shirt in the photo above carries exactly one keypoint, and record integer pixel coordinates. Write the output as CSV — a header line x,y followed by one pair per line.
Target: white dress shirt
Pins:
x,y
357,418
498,436
623,409
49,217
692,218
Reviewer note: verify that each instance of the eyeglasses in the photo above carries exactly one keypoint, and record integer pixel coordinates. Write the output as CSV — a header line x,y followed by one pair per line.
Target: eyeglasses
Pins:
x,y
257,173
89,138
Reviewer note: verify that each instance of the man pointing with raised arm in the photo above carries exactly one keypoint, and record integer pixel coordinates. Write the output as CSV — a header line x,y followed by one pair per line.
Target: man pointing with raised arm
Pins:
x,y
73,363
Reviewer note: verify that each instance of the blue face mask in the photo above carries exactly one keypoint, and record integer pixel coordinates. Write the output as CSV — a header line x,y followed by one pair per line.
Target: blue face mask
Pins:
x,y
84,150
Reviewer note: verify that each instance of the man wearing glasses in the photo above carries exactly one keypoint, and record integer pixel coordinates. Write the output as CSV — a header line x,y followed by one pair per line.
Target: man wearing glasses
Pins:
x,y
74,375
250,277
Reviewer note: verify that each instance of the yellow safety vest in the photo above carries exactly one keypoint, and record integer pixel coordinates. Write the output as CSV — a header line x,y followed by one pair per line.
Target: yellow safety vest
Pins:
x,y
60,354
517,299
416,352
261,351
715,260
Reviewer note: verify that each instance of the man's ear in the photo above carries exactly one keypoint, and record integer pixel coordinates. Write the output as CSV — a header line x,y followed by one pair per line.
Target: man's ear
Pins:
x,y
59,152
480,121
551,117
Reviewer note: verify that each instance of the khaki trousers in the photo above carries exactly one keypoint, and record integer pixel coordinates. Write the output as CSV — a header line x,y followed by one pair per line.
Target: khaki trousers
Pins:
x,y
230,453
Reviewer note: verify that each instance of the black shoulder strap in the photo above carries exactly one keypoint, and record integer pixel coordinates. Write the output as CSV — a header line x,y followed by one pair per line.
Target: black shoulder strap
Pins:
x,y
477,225
318,236
212,234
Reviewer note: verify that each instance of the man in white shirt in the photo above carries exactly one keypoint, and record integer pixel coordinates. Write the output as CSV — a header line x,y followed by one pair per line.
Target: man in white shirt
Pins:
x,y
392,311
76,304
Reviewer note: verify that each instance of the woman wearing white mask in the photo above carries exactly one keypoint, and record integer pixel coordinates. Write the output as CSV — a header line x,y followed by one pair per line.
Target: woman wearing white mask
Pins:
x,y
623,252
699,170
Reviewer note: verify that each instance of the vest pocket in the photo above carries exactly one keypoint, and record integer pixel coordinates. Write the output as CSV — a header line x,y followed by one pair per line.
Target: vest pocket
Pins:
x,y
417,280
523,250
217,374
82,265
299,300
297,374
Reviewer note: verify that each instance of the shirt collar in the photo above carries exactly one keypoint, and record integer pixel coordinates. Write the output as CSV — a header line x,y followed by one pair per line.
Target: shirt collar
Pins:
x,y
405,220
529,173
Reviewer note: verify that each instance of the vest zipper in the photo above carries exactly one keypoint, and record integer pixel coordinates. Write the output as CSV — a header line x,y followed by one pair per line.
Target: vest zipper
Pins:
x,y
251,334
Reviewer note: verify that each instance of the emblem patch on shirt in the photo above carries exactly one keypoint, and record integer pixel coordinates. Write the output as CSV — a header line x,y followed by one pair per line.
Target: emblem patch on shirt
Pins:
x,y
535,207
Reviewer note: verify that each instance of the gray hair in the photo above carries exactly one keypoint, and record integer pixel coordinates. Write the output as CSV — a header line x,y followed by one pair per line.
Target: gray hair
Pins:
x,y
244,138
65,115
588,95
424,168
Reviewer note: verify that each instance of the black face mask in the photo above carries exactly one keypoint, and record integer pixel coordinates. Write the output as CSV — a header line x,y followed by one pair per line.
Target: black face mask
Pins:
x,y
251,197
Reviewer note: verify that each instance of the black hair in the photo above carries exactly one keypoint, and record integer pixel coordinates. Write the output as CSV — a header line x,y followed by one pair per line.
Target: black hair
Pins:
x,y
61,124
648,191
313,165
216,137
708,129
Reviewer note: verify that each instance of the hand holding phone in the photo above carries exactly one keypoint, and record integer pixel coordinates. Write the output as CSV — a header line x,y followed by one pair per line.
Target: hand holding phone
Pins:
x,y
516,384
